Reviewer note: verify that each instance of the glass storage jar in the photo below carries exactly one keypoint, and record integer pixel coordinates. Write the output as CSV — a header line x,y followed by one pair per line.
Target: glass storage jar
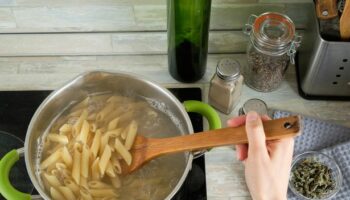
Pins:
x,y
272,46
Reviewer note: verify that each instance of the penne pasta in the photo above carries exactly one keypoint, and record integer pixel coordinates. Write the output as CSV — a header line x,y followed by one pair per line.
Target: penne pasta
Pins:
x,y
45,182
76,166
57,138
110,169
105,111
115,181
119,99
56,195
65,173
103,192
60,166
91,116
95,146
105,159
99,97
111,145
51,159
85,162
55,172
72,186
116,113
106,137
84,148
84,132
93,127
109,198
77,146
51,167
98,185
67,193
114,133
54,149
66,156
52,180
66,128
113,124
82,104
95,170
124,133
85,194
119,147
75,114
116,164
78,124
127,116
114,99
131,134
83,182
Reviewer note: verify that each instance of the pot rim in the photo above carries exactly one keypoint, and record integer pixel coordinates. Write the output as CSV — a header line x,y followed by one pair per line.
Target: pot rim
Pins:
x,y
71,82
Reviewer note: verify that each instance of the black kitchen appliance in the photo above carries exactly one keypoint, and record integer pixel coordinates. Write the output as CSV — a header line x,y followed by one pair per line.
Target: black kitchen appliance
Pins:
x,y
18,107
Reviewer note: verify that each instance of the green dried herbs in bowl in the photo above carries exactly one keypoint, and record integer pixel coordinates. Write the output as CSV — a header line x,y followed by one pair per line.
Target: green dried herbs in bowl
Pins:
x,y
315,176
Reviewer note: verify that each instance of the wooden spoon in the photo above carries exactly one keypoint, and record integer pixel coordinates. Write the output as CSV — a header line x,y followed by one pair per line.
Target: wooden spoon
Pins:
x,y
345,22
146,149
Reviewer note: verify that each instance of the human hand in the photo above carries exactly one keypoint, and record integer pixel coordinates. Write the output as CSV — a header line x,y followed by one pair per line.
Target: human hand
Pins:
x,y
267,163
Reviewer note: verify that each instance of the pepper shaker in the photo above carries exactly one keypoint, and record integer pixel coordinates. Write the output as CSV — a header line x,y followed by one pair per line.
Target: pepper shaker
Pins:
x,y
226,85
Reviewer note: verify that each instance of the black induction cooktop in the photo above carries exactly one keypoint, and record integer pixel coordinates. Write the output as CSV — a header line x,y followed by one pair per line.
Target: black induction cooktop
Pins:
x,y
18,107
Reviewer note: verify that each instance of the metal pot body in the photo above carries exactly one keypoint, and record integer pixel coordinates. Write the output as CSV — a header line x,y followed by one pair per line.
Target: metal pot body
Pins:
x,y
92,83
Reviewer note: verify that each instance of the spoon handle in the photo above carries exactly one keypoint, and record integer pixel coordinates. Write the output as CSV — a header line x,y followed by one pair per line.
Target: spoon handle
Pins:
x,y
274,129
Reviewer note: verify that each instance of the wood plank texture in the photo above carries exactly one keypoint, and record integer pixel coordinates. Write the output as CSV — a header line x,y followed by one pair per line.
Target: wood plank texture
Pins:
x,y
7,3
7,20
24,73
54,44
108,43
100,16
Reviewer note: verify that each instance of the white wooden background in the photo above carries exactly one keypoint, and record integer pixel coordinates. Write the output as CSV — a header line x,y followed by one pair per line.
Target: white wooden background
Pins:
x,y
44,43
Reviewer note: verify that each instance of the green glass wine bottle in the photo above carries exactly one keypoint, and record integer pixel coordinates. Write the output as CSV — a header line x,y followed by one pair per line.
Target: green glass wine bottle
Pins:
x,y
188,30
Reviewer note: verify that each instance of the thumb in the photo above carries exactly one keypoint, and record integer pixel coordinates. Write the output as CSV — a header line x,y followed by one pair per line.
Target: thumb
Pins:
x,y
255,134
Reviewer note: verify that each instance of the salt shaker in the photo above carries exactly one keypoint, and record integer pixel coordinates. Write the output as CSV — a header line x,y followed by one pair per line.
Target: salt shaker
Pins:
x,y
256,105
226,85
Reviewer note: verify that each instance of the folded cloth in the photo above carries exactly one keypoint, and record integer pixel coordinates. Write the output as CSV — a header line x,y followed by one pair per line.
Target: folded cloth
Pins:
x,y
328,138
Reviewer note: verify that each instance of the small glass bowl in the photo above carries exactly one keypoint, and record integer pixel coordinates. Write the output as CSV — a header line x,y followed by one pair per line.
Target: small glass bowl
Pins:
x,y
324,159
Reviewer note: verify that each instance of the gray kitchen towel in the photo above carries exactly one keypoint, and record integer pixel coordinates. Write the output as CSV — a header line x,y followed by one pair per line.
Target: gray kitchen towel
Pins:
x,y
331,139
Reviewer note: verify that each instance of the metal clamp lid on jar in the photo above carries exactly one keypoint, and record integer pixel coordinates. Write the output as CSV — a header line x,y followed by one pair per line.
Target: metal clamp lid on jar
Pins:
x,y
228,69
273,34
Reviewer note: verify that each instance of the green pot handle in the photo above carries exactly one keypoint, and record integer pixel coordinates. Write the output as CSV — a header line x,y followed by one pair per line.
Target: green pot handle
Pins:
x,y
6,189
206,110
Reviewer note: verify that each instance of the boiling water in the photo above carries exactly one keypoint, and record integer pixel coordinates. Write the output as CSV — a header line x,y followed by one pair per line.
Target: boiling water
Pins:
x,y
157,178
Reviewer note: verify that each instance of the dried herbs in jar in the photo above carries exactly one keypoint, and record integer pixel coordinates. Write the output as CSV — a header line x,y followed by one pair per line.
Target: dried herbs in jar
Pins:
x,y
312,179
272,45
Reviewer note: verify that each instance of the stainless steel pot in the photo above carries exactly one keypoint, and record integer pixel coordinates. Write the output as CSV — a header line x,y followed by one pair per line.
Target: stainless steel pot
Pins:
x,y
75,91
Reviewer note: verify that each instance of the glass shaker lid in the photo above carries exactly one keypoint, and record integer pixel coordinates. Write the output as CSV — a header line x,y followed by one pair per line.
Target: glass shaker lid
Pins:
x,y
256,105
273,30
228,69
